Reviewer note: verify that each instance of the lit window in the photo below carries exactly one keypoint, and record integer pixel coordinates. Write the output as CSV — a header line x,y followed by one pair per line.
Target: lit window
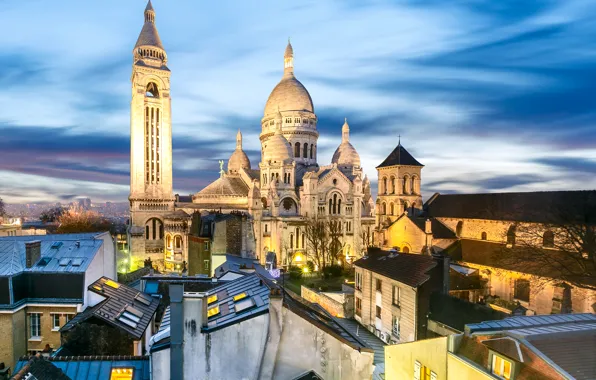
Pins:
x,y
240,296
213,311
55,322
112,284
206,265
212,299
35,325
358,306
122,374
396,295
501,367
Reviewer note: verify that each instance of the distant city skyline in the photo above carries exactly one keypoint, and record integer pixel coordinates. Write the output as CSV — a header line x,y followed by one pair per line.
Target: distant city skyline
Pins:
x,y
490,97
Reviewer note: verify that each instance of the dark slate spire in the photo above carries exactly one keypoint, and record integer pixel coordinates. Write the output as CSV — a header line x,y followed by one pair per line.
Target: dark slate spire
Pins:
x,y
400,156
149,35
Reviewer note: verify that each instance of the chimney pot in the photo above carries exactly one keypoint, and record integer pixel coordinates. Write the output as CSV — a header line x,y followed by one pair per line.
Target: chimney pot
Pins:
x,y
32,252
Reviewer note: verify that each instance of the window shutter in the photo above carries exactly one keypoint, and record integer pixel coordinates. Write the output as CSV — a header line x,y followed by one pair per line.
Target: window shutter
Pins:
x,y
433,376
416,370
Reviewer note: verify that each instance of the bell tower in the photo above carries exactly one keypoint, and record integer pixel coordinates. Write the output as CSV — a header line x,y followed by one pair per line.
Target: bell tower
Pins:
x,y
151,195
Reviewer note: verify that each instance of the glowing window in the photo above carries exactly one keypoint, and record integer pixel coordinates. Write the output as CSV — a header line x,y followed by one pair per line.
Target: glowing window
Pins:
x,y
112,284
122,374
212,299
213,311
240,296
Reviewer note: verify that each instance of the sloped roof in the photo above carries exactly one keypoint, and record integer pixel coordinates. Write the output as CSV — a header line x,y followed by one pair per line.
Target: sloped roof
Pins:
x,y
119,299
409,269
439,230
149,36
92,367
537,206
231,186
38,368
54,248
399,156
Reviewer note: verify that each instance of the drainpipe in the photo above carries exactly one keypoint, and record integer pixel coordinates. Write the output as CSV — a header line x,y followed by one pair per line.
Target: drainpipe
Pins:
x,y
176,331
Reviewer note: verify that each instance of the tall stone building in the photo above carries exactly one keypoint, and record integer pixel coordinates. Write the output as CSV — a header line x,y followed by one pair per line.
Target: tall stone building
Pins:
x,y
151,196
280,194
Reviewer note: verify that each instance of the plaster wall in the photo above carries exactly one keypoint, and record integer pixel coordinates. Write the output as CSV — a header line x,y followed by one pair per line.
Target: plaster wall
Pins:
x,y
430,353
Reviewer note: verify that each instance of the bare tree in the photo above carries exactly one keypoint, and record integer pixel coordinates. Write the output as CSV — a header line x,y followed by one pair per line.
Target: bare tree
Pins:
x,y
563,248
315,236
334,241
2,208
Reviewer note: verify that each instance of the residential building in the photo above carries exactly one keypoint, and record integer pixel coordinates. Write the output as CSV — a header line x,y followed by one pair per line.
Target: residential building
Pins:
x,y
392,292
273,335
549,347
43,284
14,227
119,321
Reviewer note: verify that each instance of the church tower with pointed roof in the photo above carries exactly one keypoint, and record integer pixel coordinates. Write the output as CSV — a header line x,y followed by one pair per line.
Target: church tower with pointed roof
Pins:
x,y
399,186
151,195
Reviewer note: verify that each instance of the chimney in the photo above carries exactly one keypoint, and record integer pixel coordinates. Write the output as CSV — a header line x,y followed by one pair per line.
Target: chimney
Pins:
x,y
427,227
176,331
32,252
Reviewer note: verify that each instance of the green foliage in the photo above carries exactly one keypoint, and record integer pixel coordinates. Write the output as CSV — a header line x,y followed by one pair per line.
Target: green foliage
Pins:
x,y
295,273
332,271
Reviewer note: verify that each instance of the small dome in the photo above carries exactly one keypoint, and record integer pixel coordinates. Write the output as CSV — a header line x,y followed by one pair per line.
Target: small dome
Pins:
x,y
278,148
346,154
238,160
289,95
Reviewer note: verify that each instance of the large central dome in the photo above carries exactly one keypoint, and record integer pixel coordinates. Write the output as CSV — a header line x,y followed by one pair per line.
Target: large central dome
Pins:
x,y
289,94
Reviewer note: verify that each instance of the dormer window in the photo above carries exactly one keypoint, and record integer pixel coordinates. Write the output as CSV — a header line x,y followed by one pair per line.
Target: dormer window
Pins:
x,y
501,367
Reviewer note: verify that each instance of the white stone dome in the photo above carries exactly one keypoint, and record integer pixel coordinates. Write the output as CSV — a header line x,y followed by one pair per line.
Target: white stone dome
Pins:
x,y
346,154
238,160
289,95
278,149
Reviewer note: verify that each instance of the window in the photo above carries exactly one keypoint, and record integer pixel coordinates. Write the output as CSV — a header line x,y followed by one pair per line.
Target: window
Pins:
x,y
178,241
548,239
296,120
206,246
395,326
35,326
206,265
122,374
305,151
378,311
385,185
422,372
483,236
358,306
459,228
288,120
501,367
312,147
67,317
511,235
396,295
379,284
406,249
522,290
391,209
358,281
384,209
297,150
55,322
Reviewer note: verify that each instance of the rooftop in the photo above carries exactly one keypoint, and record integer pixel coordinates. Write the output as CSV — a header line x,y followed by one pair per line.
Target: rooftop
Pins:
x,y
409,269
399,156
85,367
124,308
538,206
59,253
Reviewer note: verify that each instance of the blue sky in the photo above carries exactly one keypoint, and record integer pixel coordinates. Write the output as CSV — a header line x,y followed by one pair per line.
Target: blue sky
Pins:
x,y
489,95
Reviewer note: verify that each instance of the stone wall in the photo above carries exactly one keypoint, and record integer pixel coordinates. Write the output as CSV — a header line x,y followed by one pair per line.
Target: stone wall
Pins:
x,y
338,304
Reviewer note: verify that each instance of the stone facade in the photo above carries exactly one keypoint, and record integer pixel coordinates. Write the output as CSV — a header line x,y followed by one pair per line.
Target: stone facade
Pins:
x,y
338,304
288,187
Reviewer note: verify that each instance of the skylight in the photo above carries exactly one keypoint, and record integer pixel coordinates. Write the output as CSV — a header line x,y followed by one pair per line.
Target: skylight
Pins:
x,y
122,374
134,311
129,322
64,262
56,245
77,262
213,311
131,316
112,284
211,299
244,305
142,298
240,296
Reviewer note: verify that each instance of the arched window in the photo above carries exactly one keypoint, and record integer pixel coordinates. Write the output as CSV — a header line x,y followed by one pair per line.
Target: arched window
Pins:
x,y
384,190
154,229
406,205
483,235
459,228
392,185
406,249
152,91
169,241
548,239
334,203
330,205
147,232
177,241
384,209
305,151
291,241
511,235
266,227
405,186
391,208
303,241
297,150
312,147
413,185
339,206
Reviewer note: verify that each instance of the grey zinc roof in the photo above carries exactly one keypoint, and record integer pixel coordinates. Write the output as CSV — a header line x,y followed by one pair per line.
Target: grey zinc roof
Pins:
x,y
519,323
231,186
12,253
117,300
